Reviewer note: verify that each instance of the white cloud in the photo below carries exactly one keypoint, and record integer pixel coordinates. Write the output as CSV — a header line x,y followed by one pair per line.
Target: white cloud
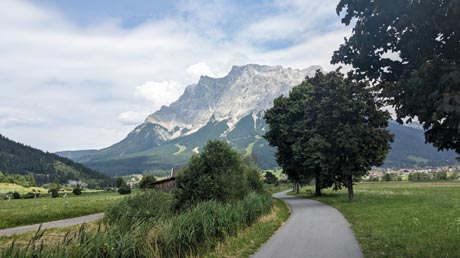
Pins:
x,y
132,118
159,93
59,79
199,69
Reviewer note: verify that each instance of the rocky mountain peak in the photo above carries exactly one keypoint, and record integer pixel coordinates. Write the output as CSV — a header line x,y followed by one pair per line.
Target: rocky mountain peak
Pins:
x,y
244,90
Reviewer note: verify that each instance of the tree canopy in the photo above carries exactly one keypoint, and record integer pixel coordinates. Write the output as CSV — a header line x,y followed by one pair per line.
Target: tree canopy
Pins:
x,y
147,182
411,51
217,173
329,128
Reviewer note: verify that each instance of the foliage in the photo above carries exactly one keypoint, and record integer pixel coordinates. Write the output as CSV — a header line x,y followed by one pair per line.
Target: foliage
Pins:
x,y
415,64
270,178
147,182
39,167
77,190
252,175
54,192
391,177
124,189
120,182
145,206
27,180
189,233
329,128
16,195
217,173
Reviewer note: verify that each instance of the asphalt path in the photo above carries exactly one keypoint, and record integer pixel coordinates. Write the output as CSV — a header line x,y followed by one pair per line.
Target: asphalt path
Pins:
x,y
53,224
314,229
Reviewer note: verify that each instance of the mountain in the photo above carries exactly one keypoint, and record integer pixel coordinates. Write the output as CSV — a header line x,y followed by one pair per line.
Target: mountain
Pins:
x,y
16,158
230,108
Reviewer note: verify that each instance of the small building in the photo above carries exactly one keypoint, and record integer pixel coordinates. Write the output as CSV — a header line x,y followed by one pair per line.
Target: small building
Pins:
x,y
75,183
167,184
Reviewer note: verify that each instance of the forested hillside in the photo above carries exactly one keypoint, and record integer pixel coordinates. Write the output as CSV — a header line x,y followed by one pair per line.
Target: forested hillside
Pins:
x,y
19,159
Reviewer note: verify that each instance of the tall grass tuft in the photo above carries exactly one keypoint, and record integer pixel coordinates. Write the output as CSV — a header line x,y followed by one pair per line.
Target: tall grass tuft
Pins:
x,y
162,235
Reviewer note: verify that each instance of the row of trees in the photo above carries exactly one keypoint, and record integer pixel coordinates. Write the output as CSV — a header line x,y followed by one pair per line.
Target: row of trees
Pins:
x,y
331,129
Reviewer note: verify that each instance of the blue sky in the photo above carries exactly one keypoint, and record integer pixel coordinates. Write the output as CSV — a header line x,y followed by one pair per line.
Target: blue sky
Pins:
x,y
81,74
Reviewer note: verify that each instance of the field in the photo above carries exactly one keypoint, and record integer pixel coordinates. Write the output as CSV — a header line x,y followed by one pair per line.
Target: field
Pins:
x,y
402,219
30,211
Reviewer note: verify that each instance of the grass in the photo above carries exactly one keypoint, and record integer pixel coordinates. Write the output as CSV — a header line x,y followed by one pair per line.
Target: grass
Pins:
x,y
9,187
21,212
249,240
402,219
181,149
190,233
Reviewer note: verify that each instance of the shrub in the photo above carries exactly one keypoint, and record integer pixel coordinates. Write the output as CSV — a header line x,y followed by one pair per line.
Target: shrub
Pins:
x,y
215,174
16,195
76,191
30,195
390,177
146,206
54,192
124,189
147,182
270,178
252,176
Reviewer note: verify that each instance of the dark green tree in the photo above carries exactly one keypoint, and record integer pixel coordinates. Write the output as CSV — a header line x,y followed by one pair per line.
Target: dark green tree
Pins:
x,y
120,182
270,178
77,190
147,182
411,51
333,129
217,173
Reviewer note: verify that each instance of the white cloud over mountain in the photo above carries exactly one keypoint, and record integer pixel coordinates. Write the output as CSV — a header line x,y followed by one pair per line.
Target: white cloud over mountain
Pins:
x,y
66,83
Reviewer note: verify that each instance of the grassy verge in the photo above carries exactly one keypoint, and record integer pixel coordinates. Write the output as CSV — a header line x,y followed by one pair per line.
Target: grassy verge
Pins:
x,y
402,219
30,211
249,240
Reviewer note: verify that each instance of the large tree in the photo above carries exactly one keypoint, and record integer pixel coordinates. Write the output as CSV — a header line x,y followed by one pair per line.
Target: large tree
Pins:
x,y
332,128
410,49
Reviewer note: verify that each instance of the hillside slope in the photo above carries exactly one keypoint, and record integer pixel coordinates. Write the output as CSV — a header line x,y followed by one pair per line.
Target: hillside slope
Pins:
x,y
17,158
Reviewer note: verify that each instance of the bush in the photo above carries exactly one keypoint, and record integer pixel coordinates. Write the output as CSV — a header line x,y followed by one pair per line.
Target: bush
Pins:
x,y
76,191
147,182
146,206
270,178
30,195
54,192
215,174
16,195
390,177
124,189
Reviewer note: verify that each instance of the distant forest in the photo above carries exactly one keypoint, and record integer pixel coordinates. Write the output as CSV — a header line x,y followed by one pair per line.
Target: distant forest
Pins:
x,y
19,159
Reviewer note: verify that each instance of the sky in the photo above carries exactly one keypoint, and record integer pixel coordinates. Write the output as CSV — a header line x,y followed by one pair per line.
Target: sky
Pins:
x,y
82,74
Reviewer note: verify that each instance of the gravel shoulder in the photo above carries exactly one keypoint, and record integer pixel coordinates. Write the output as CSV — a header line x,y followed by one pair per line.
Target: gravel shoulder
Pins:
x,y
313,230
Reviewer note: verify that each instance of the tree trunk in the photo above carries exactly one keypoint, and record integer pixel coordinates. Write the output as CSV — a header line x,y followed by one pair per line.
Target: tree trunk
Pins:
x,y
351,195
317,186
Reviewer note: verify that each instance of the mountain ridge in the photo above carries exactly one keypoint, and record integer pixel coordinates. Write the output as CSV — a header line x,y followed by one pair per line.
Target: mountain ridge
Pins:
x,y
229,108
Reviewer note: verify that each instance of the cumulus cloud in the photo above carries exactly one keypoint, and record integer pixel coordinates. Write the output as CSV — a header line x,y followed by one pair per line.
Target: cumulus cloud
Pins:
x,y
199,69
59,78
159,93
131,117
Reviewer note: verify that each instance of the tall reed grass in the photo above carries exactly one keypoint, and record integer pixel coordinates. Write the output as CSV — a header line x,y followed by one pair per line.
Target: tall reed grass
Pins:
x,y
166,235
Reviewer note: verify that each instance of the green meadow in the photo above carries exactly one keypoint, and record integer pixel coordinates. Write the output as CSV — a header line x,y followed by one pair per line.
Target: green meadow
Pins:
x,y
30,211
401,219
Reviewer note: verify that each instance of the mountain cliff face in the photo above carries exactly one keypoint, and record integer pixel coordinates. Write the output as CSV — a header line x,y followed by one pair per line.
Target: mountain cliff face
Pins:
x,y
230,108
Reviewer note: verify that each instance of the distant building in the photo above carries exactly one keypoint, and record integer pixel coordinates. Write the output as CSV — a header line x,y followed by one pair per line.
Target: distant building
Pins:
x,y
75,183
167,184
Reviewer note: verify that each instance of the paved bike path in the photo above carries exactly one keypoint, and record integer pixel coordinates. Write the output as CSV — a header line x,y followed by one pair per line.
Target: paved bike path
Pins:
x,y
314,230
53,224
